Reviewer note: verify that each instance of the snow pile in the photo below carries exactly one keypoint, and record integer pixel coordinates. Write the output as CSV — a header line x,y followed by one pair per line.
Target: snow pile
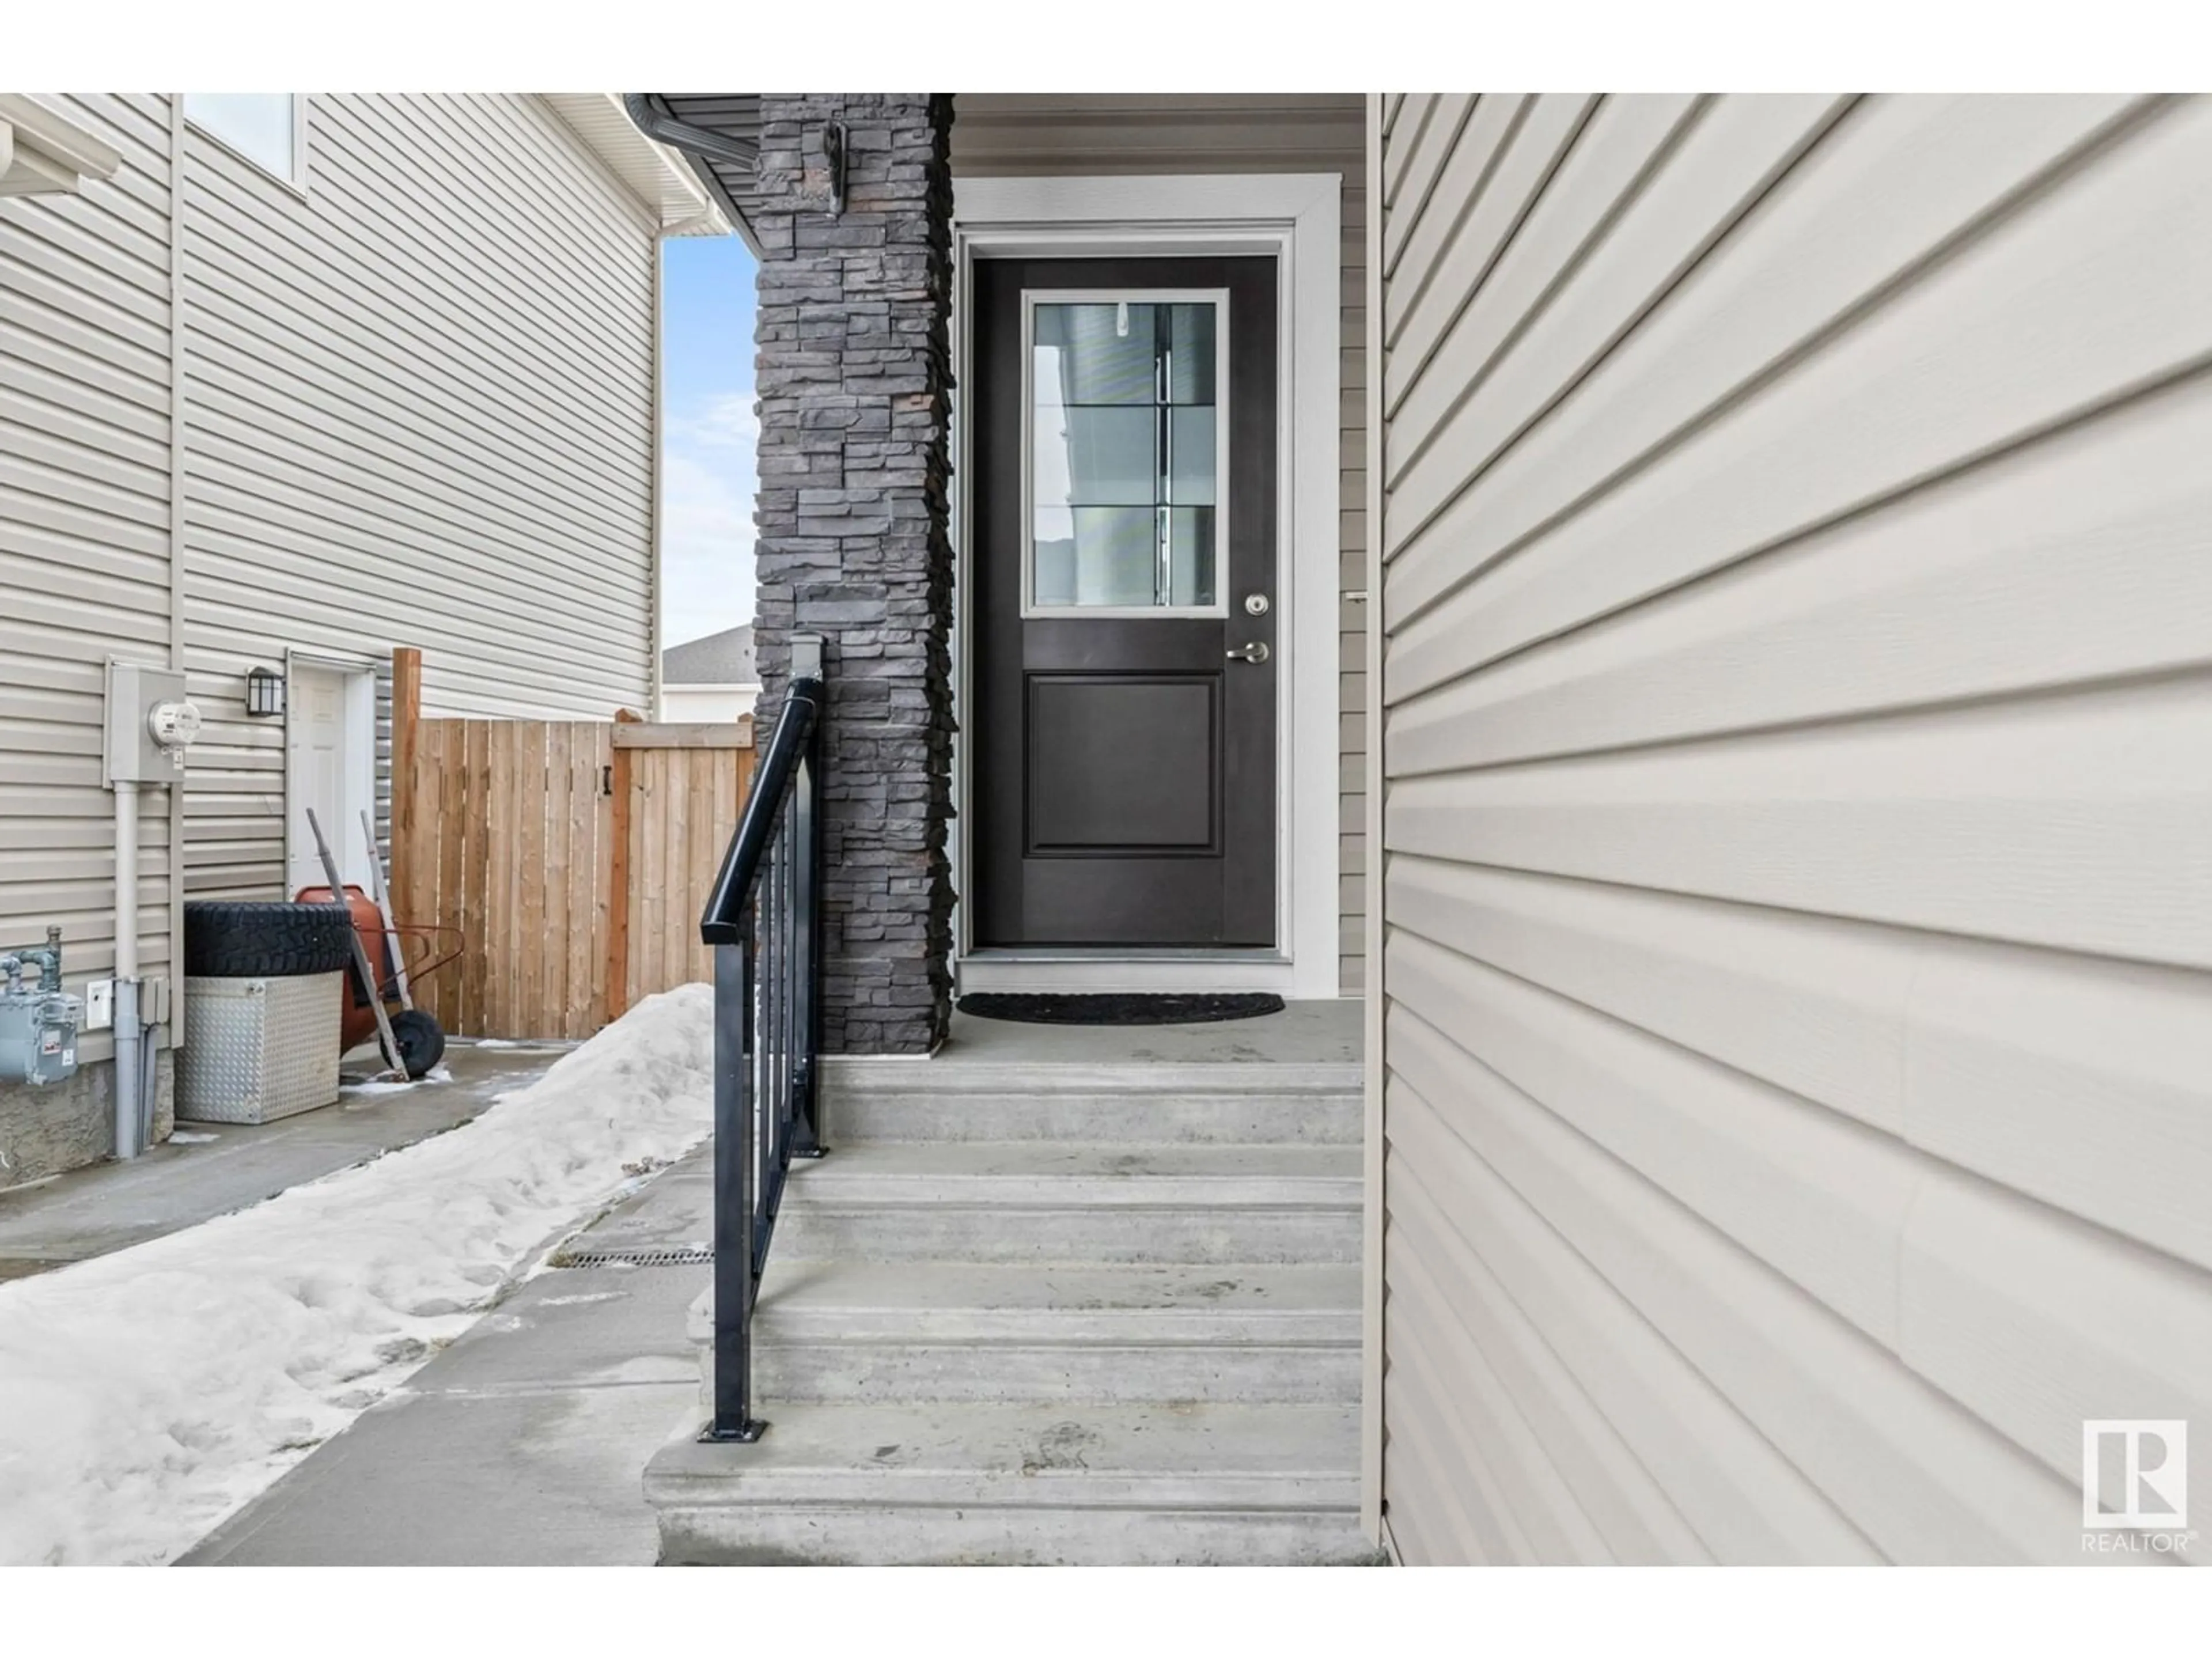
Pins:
x,y
144,1395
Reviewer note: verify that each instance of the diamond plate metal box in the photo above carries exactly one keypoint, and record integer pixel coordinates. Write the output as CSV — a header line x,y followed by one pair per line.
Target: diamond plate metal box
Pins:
x,y
259,1049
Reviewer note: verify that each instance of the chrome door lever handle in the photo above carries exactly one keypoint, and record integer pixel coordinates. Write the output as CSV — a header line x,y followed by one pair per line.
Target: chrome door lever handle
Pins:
x,y
1255,652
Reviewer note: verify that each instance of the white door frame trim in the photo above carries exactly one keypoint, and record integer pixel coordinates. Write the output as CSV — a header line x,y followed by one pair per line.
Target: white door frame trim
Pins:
x,y
1297,217
1373,1023
359,674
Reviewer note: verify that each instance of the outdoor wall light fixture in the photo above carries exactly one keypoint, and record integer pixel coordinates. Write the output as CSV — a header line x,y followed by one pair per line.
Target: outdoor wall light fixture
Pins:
x,y
829,145
265,693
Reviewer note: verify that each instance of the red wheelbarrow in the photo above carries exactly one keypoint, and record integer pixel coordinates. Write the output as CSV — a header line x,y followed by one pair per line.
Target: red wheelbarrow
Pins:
x,y
420,1040
409,1040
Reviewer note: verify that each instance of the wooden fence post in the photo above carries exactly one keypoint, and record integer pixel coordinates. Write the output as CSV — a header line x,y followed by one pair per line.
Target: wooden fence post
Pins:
x,y
406,723
618,772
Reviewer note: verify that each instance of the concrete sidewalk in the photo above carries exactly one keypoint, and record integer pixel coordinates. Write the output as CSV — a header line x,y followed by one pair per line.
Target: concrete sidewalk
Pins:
x,y
525,1442
216,1167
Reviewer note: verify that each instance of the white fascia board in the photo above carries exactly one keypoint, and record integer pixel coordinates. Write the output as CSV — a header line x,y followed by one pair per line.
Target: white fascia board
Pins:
x,y
659,176
44,151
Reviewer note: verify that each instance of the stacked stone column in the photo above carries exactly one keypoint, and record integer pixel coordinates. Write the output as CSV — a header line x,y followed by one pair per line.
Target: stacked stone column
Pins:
x,y
855,381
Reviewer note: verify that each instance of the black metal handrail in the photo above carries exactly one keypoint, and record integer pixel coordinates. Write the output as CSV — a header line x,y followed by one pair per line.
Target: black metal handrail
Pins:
x,y
763,918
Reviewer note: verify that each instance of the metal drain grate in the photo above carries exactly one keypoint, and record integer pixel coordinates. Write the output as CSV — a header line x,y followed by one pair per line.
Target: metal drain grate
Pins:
x,y
636,1256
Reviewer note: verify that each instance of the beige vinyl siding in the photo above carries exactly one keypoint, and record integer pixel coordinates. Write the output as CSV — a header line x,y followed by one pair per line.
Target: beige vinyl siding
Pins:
x,y
422,399
996,135
1798,904
84,534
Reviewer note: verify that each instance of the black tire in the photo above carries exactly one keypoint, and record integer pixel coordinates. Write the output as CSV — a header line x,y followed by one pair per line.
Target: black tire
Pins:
x,y
422,1041
226,941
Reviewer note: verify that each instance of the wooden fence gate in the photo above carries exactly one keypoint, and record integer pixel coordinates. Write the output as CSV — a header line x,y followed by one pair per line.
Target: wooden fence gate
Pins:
x,y
570,857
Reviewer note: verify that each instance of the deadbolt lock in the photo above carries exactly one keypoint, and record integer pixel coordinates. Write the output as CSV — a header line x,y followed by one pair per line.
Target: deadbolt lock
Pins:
x,y
1256,604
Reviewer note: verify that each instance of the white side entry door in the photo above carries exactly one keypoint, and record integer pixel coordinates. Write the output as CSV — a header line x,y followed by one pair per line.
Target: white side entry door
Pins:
x,y
330,765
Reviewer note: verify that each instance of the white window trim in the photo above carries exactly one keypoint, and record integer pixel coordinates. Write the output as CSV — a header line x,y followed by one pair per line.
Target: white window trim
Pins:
x,y
1219,299
1297,217
296,180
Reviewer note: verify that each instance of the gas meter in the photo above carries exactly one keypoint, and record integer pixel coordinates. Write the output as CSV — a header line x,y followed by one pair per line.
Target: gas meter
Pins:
x,y
38,1021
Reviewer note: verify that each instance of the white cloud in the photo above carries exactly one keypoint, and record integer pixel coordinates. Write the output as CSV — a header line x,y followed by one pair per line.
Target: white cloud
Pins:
x,y
723,422
708,479
707,541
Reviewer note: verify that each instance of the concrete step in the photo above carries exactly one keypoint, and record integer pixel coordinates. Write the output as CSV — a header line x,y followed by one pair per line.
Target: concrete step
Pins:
x,y
1020,1485
1041,1202
853,1331
1211,1103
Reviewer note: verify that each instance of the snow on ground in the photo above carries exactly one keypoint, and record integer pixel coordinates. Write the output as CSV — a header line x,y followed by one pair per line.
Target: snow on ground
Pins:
x,y
144,1395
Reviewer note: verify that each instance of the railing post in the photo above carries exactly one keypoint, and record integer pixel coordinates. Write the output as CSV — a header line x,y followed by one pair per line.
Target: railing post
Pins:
x,y
736,1159
807,955
763,919
806,915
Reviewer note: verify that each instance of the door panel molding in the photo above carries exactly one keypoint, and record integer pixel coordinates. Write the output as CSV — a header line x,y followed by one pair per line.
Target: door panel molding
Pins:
x,y
1296,218
1074,808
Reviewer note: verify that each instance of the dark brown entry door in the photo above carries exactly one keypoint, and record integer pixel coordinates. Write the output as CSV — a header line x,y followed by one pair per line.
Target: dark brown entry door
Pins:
x,y
1124,603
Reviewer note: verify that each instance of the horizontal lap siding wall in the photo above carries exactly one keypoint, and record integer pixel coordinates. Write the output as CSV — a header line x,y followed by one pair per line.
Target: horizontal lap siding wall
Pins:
x,y
1798,906
421,405
1008,135
84,534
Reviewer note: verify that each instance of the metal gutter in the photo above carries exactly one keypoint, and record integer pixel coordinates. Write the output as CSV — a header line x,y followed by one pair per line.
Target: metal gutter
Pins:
x,y
653,118
42,149
662,178
649,113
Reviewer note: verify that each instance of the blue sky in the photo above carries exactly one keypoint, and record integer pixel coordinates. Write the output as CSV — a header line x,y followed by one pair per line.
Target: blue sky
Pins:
x,y
708,475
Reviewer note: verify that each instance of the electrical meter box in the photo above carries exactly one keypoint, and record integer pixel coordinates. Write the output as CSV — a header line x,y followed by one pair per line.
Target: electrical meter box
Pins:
x,y
151,723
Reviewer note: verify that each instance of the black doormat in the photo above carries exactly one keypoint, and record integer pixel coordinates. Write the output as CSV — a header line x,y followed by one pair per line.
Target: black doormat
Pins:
x,y
1119,1007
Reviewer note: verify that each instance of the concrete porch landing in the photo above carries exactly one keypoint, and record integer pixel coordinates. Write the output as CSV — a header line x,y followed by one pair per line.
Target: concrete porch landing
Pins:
x,y
1058,1295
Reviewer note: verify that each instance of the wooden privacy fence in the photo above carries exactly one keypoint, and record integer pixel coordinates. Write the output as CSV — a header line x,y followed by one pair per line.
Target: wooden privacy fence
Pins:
x,y
572,859
677,790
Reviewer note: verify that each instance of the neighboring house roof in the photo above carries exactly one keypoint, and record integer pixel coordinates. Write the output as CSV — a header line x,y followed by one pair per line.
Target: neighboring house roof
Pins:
x,y
659,174
734,116
723,658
